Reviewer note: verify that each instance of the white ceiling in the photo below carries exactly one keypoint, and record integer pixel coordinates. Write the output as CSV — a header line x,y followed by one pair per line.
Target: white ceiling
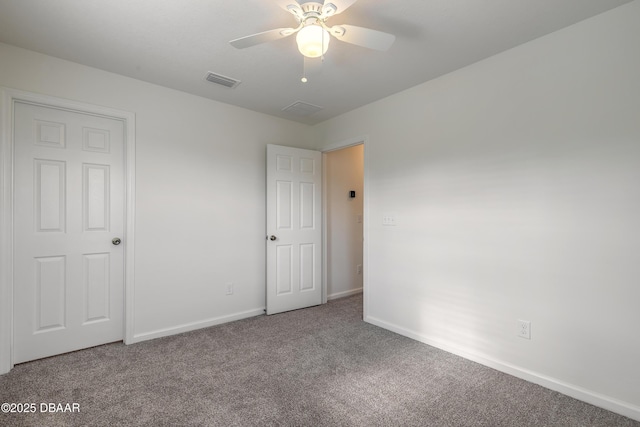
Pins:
x,y
174,43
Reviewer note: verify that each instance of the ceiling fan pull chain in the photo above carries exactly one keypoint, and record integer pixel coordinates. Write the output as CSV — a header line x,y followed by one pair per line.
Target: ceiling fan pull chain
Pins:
x,y
304,70
322,56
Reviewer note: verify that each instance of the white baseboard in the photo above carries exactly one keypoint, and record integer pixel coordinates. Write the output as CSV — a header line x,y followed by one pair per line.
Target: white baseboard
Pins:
x,y
596,399
344,294
145,336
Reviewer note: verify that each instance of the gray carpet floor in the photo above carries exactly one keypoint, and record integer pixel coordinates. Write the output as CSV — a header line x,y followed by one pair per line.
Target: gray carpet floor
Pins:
x,y
321,366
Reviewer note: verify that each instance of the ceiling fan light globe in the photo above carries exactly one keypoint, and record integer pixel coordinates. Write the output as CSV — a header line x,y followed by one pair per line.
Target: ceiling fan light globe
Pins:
x,y
313,41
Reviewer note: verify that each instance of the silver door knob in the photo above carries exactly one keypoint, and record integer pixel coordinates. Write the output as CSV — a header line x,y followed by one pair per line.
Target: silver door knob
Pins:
x,y
116,241
272,237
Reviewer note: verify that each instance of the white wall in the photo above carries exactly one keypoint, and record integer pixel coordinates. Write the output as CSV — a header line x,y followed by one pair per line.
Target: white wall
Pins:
x,y
200,218
514,182
516,185
344,172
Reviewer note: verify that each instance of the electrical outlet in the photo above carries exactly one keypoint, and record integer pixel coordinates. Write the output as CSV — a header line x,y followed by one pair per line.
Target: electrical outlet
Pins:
x,y
229,287
359,268
524,329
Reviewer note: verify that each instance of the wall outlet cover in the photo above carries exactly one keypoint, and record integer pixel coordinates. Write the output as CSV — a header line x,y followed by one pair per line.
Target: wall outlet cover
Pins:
x,y
524,329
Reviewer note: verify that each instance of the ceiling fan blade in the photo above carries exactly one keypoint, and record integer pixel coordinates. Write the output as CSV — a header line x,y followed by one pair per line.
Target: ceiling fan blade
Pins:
x,y
291,6
334,7
265,36
365,37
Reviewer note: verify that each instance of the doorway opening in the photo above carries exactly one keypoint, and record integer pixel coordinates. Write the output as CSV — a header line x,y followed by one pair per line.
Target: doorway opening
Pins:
x,y
344,221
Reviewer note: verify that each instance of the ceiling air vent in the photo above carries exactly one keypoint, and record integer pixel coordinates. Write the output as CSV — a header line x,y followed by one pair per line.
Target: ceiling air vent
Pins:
x,y
300,108
222,80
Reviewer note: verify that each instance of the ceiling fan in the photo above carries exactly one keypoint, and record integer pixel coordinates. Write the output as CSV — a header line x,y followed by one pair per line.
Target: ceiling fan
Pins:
x,y
314,33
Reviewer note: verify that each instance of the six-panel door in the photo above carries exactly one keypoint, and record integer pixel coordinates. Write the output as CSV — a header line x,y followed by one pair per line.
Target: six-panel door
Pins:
x,y
69,205
294,212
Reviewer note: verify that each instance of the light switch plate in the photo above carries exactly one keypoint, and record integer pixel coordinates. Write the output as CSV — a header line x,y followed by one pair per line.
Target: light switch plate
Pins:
x,y
389,219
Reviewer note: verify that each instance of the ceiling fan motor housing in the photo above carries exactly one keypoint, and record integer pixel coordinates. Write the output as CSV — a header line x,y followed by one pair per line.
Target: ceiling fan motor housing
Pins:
x,y
312,7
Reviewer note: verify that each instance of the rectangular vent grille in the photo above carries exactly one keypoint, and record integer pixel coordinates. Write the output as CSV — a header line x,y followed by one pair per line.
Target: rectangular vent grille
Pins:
x,y
300,108
222,80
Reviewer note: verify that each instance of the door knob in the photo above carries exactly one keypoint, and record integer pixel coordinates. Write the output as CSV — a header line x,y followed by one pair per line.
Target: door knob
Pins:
x,y
272,237
116,241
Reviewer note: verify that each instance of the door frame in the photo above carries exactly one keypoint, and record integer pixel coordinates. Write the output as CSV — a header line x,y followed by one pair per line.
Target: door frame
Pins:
x,y
359,140
8,98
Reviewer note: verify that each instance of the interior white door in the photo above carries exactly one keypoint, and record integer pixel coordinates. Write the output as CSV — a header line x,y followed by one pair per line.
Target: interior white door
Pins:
x,y
294,228
69,206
